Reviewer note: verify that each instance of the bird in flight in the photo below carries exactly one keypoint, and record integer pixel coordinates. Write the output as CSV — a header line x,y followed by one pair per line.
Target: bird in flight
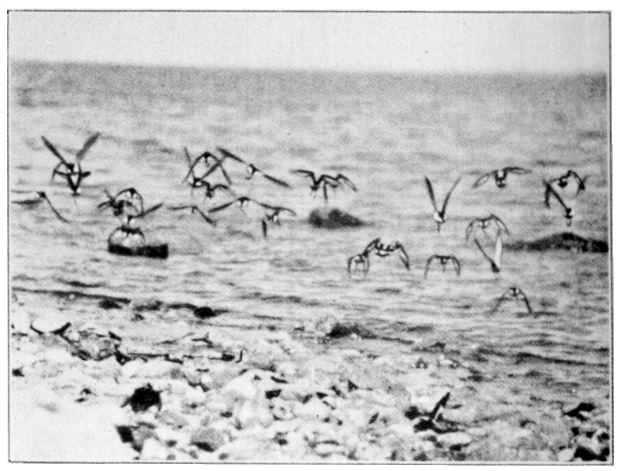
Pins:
x,y
514,292
211,161
496,261
127,204
443,261
34,202
500,176
563,180
193,209
439,216
485,223
381,250
250,168
71,171
324,181
569,212
273,216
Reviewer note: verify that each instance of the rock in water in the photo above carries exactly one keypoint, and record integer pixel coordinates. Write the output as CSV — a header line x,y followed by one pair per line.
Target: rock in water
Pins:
x,y
561,241
333,218
204,312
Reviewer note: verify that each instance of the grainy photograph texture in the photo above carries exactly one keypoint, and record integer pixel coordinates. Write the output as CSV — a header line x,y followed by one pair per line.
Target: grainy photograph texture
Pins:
x,y
309,237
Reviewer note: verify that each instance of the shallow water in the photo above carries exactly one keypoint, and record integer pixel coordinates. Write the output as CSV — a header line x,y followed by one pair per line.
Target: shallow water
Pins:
x,y
383,131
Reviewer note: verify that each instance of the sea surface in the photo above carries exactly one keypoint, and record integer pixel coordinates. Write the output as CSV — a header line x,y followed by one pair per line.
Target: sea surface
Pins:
x,y
385,132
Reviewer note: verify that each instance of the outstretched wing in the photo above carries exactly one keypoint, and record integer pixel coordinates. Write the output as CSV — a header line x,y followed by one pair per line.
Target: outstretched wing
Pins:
x,y
87,145
222,207
440,405
402,254
517,170
180,207
489,259
151,209
499,302
580,182
341,178
470,228
482,179
527,303
447,198
275,180
456,264
429,188
305,173
53,150
263,223
371,245
427,267
230,155
204,216
56,213
500,223
549,191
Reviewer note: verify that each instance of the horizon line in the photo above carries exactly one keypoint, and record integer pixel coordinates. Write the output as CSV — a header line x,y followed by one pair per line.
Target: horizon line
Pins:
x,y
516,72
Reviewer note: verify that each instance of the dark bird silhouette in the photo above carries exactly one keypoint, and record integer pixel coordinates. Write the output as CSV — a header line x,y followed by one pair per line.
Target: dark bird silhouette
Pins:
x,y
569,213
432,420
563,180
273,216
443,261
251,168
381,250
439,216
484,224
71,171
514,292
497,260
212,163
193,209
500,176
126,202
34,202
325,181
242,202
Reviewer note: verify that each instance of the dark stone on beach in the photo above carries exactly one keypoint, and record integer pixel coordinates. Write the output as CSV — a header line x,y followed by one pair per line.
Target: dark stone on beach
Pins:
x,y
207,439
412,412
107,303
333,218
561,241
204,312
17,372
577,411
125,433
345,330
144,398
272,393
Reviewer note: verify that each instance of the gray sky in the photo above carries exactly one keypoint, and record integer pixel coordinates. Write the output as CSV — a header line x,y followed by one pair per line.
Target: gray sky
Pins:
x,y
429,42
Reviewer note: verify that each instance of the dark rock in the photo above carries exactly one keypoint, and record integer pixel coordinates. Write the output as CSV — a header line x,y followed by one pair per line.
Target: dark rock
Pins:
x,y
351,385
107,303
17,372
272,393
345,330
412,412
144,398
561,241
204,312
207,439
333,219
577,411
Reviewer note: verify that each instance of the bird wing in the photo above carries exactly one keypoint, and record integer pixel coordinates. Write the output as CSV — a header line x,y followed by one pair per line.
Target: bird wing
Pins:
x,y
180,207
305,173
264,227
222,206
580,182
483,252
53,150
517,170
371,245
228,154
499,302
482,179
151,209
56,213
349,262
349,183
429,188
470,227
274,180
527,303
440,405
549,190
447,198
429,261
456,264
498,252
500,223
204,216
87,145
402,254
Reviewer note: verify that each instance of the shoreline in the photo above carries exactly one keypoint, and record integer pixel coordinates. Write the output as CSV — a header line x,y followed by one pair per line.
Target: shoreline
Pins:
x,y
313,393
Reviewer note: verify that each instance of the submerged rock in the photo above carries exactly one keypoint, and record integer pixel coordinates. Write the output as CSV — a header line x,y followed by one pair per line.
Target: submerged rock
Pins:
x,y
561,241
333,218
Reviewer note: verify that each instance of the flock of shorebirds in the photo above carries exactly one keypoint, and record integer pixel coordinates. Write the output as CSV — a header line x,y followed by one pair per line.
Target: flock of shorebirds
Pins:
x,y
128,204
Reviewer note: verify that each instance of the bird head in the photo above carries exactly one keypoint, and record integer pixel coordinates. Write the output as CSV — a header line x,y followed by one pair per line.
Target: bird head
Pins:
x,y
41,194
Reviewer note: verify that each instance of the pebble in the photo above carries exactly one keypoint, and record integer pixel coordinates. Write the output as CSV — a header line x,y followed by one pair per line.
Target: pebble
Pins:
x,y
454,439
566,454
152,450
207,439
204,312
242,387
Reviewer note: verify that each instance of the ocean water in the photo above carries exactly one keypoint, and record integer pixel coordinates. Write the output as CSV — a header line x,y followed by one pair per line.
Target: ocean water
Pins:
x,y
385,132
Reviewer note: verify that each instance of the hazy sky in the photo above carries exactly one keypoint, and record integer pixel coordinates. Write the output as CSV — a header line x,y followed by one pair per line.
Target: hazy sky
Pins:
x,y
426,42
